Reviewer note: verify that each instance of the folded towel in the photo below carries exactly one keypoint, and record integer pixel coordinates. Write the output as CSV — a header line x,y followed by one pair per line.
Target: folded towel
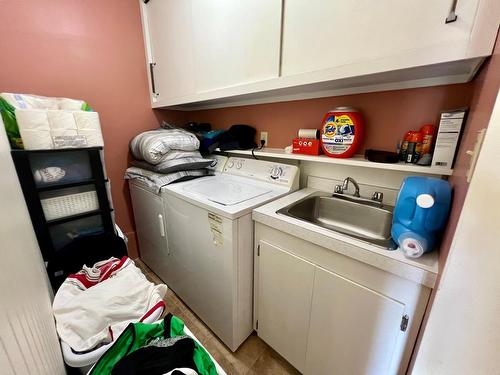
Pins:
x,y
157,181
46,129
181,162
153,146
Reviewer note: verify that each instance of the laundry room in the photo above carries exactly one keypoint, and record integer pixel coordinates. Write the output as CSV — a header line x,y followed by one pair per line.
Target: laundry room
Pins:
x,y
249,187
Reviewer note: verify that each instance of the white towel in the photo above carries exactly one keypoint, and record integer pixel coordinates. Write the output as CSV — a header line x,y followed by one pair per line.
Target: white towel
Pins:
x,y
46,129
94,306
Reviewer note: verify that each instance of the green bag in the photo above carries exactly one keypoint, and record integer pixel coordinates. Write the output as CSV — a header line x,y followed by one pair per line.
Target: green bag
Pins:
x,y
136,335
9,121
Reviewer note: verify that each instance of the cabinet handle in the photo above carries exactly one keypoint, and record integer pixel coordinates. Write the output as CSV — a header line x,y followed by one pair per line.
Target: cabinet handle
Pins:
x,y
161,224
152,73
452,16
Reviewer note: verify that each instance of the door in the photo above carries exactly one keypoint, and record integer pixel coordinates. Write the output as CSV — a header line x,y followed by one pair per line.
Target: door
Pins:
x,y
353,329
150,228
320,34
284,302
462,335
235,42
28,338
169,41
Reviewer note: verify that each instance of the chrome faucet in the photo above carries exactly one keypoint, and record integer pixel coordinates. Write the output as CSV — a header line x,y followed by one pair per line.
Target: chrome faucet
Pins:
x,y
376,198
345,185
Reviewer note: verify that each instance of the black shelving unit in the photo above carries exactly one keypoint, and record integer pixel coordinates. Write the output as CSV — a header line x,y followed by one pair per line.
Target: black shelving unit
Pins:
x,y
83,172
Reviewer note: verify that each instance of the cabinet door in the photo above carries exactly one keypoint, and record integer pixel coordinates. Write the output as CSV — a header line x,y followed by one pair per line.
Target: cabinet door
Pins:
x,y
284,302
150,228
320,34
170,41
235,42
353,329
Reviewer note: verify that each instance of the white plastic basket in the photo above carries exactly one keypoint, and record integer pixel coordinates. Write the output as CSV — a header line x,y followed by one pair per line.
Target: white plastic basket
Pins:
x,y
71,204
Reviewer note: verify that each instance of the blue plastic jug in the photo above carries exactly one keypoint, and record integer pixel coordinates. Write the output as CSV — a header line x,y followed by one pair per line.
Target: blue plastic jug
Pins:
x,y
420,215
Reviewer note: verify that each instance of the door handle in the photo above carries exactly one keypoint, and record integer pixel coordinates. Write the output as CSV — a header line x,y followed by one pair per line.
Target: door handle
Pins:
x,y
452,16
152,73
161,224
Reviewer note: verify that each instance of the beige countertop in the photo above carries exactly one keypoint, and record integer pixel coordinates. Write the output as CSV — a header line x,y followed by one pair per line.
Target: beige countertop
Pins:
x,y
422,270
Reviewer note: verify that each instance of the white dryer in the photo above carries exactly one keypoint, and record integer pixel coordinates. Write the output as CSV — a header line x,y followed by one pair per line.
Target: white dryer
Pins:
x,y
207,255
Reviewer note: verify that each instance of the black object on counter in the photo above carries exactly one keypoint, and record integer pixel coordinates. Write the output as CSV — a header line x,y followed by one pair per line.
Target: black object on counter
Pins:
x,y
237,137
379,156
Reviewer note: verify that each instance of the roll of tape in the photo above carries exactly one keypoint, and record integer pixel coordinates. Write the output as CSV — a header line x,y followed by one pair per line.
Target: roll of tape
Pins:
x,y
309,133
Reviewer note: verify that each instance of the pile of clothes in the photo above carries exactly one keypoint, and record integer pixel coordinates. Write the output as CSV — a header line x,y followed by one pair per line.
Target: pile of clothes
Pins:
x,y
96,304
167,155
107,305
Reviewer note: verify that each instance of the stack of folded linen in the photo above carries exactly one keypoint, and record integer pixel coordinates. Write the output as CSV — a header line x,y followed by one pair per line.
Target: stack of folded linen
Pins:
x,y
41,123
163,156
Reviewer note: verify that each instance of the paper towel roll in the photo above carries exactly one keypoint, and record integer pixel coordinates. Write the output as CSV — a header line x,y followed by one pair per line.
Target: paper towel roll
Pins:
x,y
309,133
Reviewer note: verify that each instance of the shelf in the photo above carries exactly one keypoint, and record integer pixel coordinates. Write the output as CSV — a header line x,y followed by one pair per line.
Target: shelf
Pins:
x,y
356,161
83,215
66,185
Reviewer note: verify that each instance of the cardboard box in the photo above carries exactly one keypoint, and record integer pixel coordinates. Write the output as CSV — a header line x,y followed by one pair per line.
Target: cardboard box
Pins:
x,y
306,146
448,136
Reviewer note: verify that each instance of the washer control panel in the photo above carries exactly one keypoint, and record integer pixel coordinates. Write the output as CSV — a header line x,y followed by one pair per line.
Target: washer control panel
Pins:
x,y
277,173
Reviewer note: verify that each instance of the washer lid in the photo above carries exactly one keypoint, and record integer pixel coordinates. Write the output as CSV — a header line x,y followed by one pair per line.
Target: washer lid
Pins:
x,y
226,191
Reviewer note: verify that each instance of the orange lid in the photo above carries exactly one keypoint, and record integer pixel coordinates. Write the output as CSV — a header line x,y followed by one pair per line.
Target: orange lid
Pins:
x,y
428,129
415,136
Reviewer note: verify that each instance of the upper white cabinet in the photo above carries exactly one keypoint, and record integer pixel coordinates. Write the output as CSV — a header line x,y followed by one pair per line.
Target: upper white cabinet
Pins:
x,y
235,42
321,35
205,45
207,53
169,48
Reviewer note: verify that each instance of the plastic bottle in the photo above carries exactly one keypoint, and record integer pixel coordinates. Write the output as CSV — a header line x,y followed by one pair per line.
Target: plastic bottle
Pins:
x,y
420,215
428,132
414,147
342,132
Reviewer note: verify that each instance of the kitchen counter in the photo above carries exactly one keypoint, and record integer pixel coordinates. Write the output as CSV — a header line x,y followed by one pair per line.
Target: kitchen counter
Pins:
x,y
422,270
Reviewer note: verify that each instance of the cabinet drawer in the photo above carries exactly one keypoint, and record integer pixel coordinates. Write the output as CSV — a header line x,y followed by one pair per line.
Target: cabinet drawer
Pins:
x,y
58,168
62,234
61,203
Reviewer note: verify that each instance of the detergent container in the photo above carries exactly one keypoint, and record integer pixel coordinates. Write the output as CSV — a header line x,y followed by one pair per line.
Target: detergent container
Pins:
x,y
342,132
421,212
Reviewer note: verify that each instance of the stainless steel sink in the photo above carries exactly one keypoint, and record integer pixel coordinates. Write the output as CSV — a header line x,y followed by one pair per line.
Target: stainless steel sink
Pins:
x,y
356,217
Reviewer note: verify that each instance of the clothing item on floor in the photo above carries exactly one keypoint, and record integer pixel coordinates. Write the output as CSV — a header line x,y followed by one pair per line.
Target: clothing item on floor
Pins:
x,y
155,360
138,335
96,304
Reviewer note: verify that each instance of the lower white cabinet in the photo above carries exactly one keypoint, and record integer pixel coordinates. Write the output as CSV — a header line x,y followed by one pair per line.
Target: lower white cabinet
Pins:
x,y
351,327
285,294
341,317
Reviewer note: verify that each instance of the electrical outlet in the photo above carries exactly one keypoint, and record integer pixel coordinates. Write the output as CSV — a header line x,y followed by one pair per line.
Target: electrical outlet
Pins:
x,y
263,137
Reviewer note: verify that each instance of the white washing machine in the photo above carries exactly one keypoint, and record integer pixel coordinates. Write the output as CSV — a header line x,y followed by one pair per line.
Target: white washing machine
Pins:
x,y
206,252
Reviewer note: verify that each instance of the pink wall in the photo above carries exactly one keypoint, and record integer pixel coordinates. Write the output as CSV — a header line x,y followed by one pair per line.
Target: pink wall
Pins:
x,y
91,50
388,114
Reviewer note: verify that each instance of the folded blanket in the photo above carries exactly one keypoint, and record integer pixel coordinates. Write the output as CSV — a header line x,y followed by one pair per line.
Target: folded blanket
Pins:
x,y
153,146
157,181
46,129
178,164
95,305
